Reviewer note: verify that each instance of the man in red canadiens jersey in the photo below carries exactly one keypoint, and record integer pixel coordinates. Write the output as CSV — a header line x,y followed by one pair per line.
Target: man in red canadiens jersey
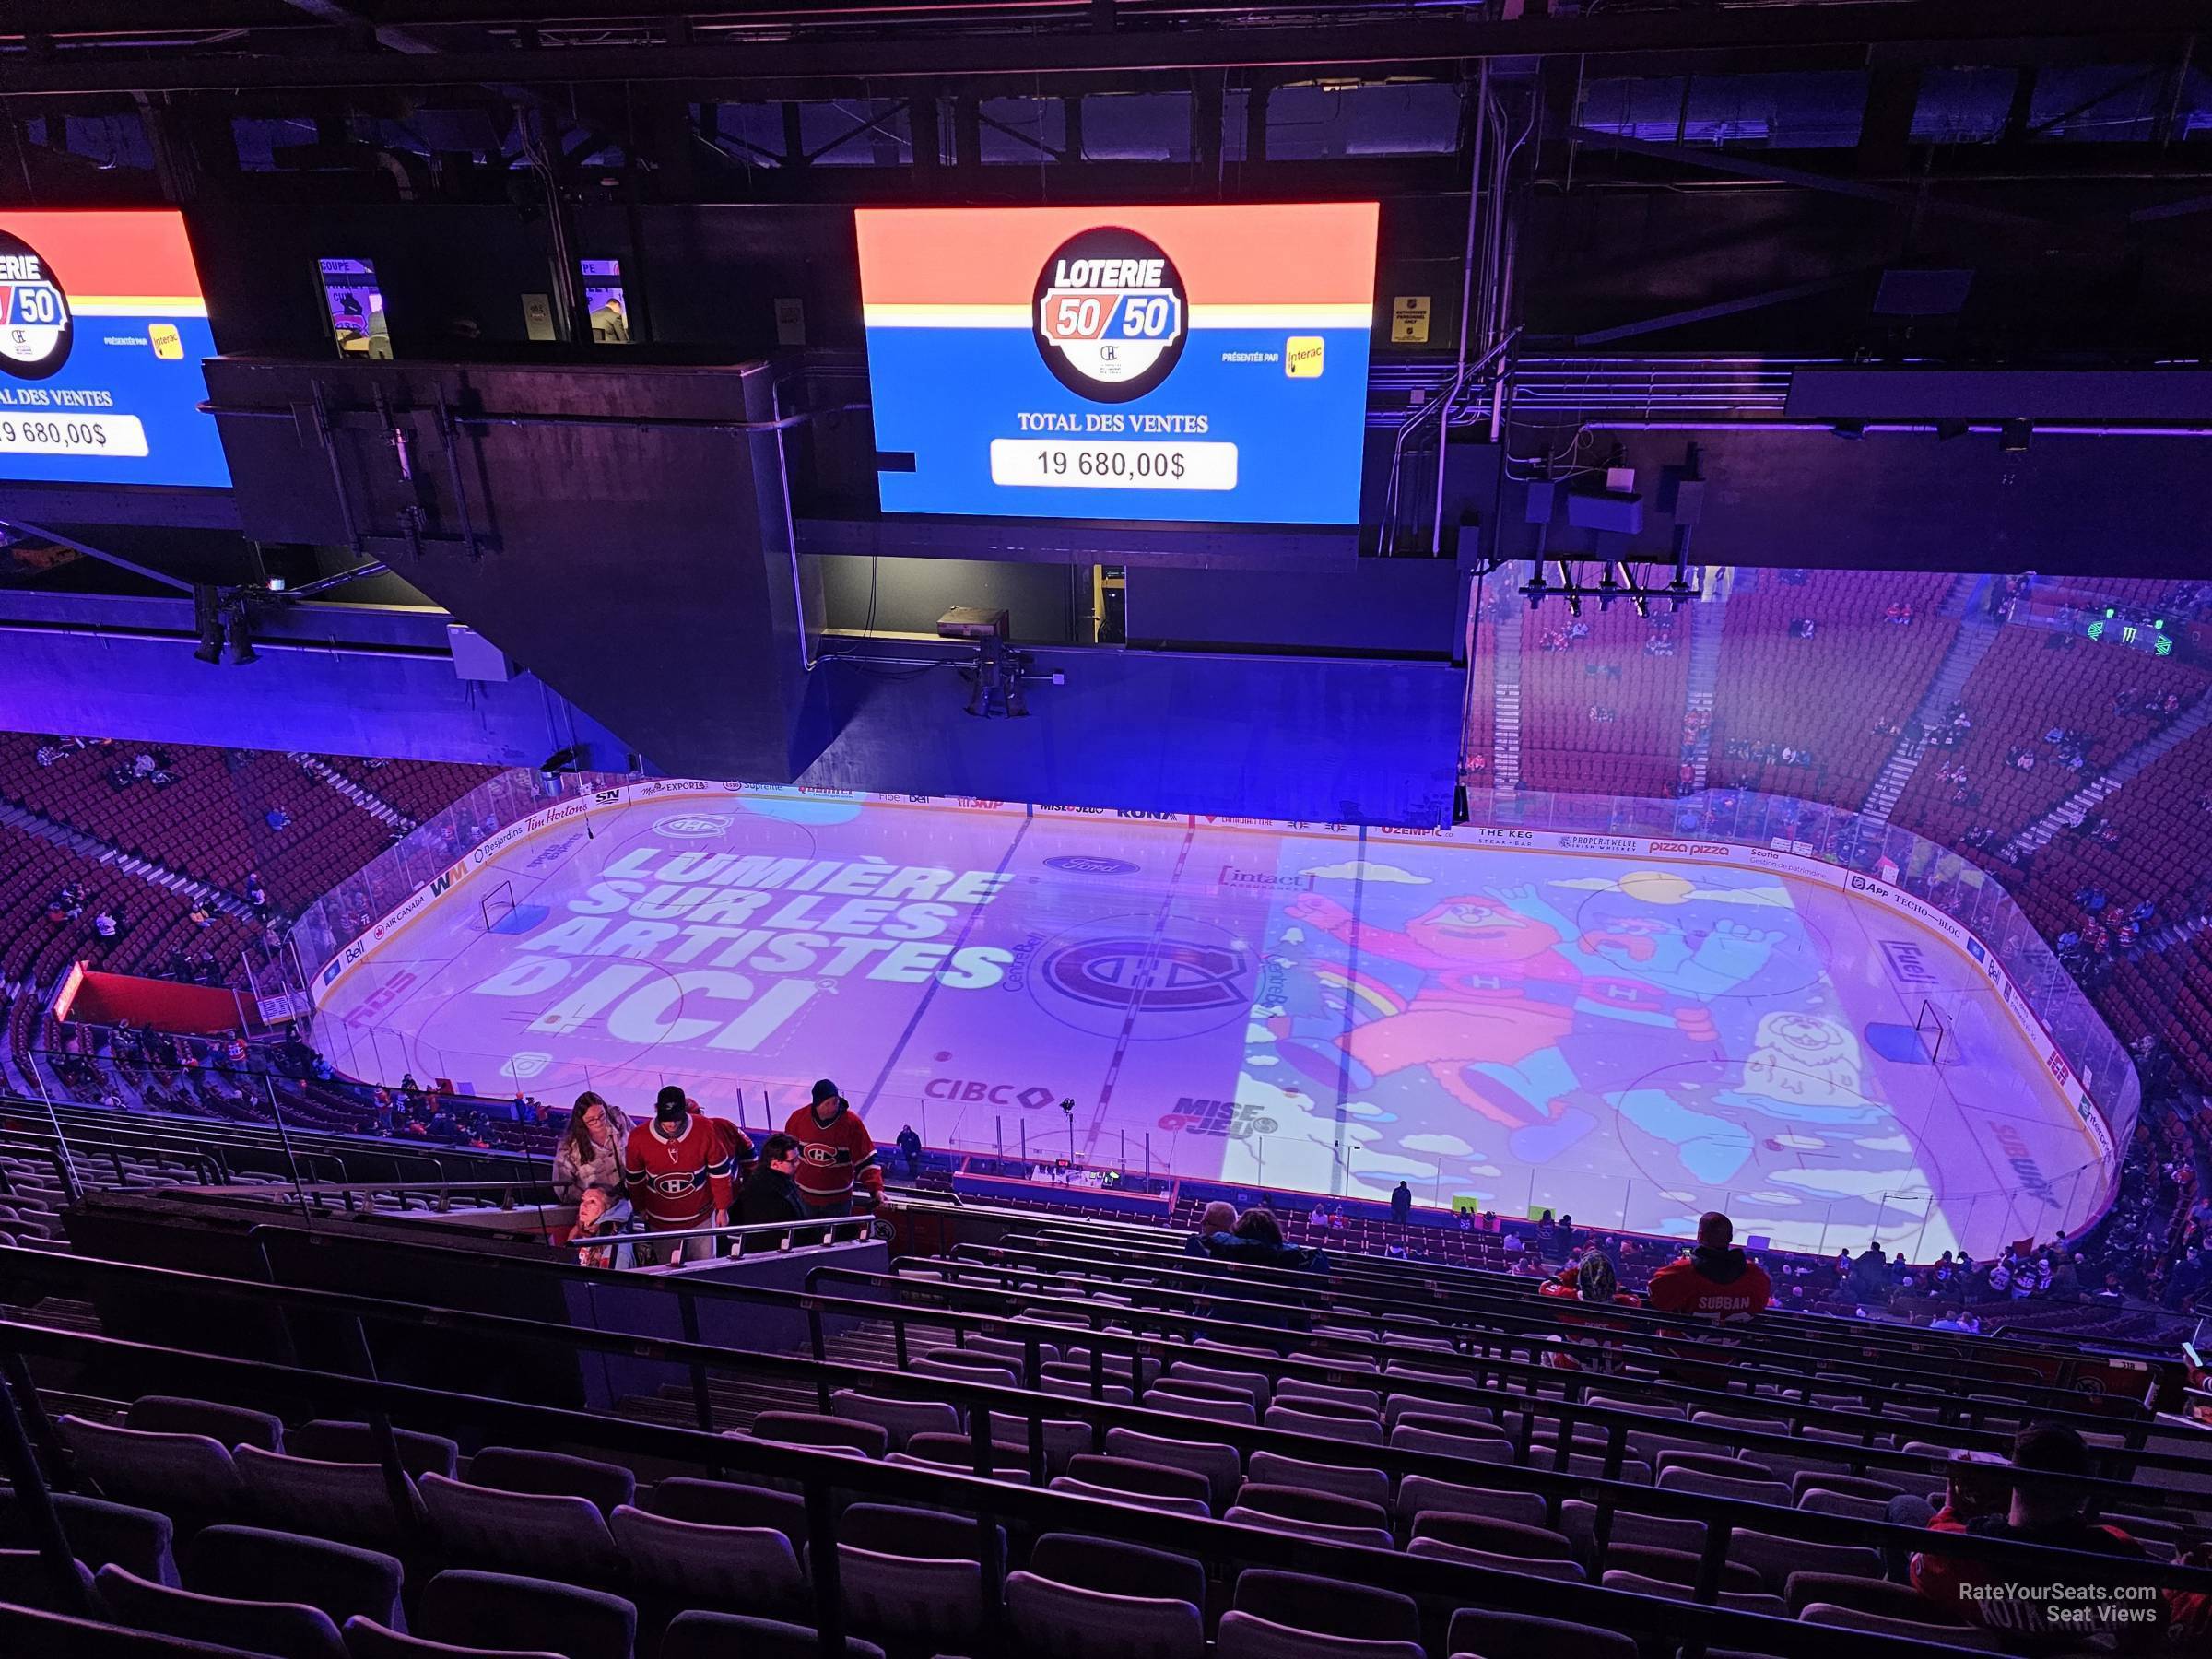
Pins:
x,y
836,1154
1714,1281
679,1170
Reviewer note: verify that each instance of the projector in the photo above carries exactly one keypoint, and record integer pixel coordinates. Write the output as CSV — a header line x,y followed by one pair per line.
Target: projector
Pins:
x,y
972,622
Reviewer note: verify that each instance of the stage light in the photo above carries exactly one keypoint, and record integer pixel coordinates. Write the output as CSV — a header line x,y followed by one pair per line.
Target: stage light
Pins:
x,y
207,621
237,633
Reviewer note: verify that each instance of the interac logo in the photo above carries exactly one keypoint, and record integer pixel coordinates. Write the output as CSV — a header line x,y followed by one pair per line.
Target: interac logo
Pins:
x,y
1302,357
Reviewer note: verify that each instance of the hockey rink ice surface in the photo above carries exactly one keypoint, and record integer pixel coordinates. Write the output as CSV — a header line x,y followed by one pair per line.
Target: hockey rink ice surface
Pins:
x,y
1629,1040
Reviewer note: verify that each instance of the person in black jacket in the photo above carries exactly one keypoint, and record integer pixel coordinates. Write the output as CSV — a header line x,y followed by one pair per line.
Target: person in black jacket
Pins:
x,y
768,1194
1257,1240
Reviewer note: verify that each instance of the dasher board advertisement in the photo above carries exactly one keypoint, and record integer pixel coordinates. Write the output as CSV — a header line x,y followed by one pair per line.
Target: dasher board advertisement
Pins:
x,y
1184,363
103,328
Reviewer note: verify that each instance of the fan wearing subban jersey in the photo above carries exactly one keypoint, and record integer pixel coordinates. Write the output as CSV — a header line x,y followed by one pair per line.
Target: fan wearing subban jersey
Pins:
x,y
1714,1281
678,1169
836,1154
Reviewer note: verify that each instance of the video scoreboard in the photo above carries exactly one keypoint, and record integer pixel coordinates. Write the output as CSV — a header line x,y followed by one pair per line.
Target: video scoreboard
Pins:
x,y
1177,363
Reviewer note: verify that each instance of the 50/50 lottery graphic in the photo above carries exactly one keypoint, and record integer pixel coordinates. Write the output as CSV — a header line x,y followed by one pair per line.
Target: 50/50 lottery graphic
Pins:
x,y
34,314
1175,363
103,330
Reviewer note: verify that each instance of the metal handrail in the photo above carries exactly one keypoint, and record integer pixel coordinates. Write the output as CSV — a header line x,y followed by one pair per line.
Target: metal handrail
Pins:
x,y
1359,1265
1485,1303
1027,1400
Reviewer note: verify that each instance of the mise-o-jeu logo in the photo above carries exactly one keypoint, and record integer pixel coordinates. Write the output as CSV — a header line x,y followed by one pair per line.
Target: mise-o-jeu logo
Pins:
x,y
35,325
1111,317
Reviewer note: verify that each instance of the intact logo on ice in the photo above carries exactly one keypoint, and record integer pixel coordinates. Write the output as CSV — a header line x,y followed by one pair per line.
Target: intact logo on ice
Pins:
x,y
1111,314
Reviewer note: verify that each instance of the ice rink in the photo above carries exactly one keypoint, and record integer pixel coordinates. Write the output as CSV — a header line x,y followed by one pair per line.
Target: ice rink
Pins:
x,y
1612,1032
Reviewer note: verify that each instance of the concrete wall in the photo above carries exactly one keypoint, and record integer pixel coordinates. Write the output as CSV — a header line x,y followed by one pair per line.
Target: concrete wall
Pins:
x,y
384,686
1295,738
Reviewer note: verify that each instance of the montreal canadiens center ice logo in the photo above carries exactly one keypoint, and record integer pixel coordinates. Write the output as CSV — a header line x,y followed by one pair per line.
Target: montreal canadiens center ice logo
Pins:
x,y
34,314
1111,320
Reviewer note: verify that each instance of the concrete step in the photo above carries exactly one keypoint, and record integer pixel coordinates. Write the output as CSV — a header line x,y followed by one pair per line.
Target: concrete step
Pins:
x,y
368,800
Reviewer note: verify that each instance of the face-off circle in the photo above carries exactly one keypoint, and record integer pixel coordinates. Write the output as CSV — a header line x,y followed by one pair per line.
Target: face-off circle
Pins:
x,y
35,325
1110,316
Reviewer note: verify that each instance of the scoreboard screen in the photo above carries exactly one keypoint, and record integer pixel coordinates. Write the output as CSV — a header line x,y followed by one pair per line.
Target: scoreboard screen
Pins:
x,y
1184,363
103,330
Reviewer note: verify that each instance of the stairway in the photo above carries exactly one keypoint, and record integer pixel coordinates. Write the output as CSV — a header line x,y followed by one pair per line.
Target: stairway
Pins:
x,y
2077,805
1505,698
146,869
374,804
1704,675
1977,632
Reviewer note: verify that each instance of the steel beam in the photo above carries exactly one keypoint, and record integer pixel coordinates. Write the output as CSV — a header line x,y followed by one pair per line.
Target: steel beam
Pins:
x,y
1751,165
890,52
1721,308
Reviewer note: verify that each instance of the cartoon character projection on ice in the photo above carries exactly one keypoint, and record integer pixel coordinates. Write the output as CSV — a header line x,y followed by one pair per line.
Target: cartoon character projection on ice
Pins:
x,y
1505,977
1804,1069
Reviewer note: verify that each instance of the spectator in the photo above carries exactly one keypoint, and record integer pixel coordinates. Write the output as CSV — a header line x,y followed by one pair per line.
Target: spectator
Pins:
x,y
1512,1245
105,924
910,1151
1869,1279
1715,1280
1547,1235
837,1158
770,1193
679,1172
590,1153
1318,1217
1256,1240
256,895
1215,1217
276,818
2052,1515
1590,1280
1973,1489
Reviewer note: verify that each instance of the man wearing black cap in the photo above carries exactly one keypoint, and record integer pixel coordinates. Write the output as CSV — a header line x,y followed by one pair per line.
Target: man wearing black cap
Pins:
x,y
836,1154
677,1169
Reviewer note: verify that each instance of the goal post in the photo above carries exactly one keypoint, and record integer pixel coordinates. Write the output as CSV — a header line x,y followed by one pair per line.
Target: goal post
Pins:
x,y
496,906
1934,1031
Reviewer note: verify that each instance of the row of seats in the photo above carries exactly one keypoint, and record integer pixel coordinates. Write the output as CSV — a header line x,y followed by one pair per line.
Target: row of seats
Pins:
x,y
537,1514
1636,749
1822,694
